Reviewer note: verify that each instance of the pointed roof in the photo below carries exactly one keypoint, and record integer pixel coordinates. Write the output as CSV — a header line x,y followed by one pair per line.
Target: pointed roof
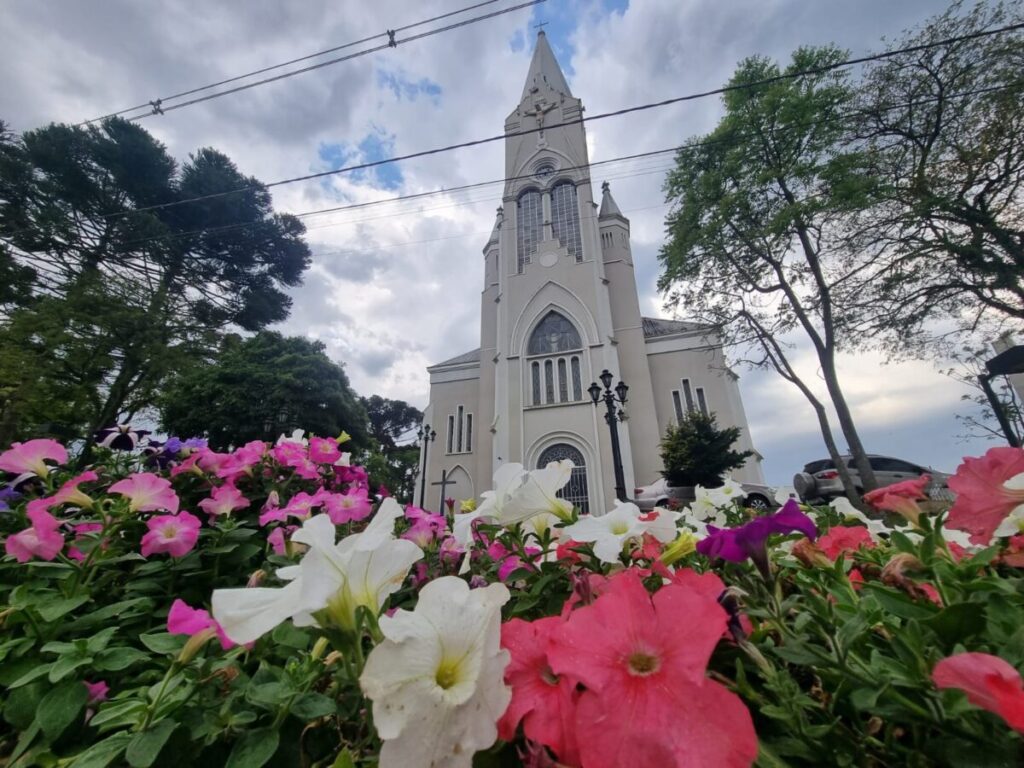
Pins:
x,y
544,69
608,204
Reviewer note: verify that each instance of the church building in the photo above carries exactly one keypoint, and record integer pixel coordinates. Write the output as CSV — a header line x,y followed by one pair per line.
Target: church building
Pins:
x,y
559,306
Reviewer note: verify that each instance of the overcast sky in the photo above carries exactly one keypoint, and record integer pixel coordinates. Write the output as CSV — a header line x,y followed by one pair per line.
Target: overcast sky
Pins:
x,y
394,288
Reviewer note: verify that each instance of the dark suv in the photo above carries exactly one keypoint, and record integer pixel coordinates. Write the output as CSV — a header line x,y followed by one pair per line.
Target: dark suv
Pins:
x,y
820,479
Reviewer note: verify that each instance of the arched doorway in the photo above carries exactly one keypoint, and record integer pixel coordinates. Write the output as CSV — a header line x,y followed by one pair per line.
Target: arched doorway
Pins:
x,y
576,490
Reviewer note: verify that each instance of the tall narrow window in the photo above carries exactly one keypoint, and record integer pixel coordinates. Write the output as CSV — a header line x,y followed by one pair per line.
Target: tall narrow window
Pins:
x,y
563,381
458,431
535,373
577,380
549,382
688,394
451,433
565,218
701,402
469,432
529,226
677,405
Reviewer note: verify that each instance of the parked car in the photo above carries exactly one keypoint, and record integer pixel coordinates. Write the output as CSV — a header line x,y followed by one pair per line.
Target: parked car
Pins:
x,y
820,479
659,493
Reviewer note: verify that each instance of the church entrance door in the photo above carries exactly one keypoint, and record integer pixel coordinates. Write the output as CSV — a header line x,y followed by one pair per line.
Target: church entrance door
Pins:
x,y
576,490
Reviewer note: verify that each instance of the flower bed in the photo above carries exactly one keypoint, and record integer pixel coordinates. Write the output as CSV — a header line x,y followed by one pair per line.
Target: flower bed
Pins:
x,y
260,607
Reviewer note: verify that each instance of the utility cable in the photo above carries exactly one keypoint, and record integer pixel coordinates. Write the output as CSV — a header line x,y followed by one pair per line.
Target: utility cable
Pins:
x,y
160,101
583,119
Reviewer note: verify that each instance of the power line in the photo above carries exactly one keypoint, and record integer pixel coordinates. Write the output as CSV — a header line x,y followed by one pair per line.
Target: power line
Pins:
x,y
582,119
159,101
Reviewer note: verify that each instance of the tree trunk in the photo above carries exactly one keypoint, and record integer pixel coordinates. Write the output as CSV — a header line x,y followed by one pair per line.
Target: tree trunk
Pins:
x,y
860,457
108,414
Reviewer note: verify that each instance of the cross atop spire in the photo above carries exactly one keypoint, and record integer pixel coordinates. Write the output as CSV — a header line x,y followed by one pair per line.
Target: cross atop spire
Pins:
x,y
544,70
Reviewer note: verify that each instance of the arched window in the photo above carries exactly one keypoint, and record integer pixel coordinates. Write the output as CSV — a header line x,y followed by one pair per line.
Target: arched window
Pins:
x,y
529,226
565,218
576,490
555,333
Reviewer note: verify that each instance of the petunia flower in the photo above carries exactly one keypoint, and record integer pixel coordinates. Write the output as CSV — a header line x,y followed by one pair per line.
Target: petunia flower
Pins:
x,y
642,662
31,457
224,499
120,437
988,488
842,539
611,531
183,619
323,450
842,506
147,492
174,535
545,703
749,540
901,498
725,495
41,540
7,493
426,530
82,531
98,691
989,682
333,578
69,493
436,681
348,507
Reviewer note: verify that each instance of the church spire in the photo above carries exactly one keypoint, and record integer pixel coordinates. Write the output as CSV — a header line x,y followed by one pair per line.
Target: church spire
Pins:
x,y
608,204
544,70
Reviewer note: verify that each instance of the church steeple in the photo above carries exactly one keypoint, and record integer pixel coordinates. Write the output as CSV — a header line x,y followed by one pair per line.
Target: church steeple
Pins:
x,y
608,205
544,71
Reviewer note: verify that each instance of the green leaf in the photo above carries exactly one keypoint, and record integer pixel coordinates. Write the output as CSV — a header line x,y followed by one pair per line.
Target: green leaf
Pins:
x,y
290,636
254,749
116,659
21,671
103,753
344,760
163,642
958,621
898,603
99,641
310,706
55,609
864,699
118,713
20,709
67,664
145,746
61,706
108,612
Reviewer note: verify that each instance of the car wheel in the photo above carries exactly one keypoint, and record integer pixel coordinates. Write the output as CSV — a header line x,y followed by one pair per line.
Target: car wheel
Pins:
x,y
758,502
661,503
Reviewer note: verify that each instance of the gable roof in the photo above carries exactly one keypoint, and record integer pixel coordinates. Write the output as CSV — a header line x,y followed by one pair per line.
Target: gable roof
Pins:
x,y
473,356
656,326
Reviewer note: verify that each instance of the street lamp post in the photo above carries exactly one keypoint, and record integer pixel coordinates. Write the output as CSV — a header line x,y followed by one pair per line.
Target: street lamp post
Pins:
x,y
1004,364
426,436
612,400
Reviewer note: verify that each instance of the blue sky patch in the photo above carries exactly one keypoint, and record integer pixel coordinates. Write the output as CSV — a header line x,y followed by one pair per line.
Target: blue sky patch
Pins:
x,y
560,22
376,145
403,88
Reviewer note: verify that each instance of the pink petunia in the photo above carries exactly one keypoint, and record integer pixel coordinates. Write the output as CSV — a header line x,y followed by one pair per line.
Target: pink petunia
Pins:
x,y
174,535
989,682
277,539
69,493
31,457
190,464
147,492
186,620
901,498
545,703
323,450
987,488
224,500
643,661
347,507
42,539
842,539
98,691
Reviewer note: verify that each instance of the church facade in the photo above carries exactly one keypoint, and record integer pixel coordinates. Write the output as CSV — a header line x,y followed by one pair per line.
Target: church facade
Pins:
x,y
559,305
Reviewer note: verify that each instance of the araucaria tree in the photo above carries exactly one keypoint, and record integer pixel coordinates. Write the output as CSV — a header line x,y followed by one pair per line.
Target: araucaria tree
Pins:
x,y
262,386
143,263
755,239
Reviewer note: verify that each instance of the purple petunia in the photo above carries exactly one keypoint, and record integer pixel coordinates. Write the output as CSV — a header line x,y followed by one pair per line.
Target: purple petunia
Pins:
x,y
748,540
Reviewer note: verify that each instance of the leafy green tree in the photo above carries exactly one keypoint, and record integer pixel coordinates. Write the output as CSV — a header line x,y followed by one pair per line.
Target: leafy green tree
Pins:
x,y
395,469
260,387
390,419
697,452
151,283
756,240
943,128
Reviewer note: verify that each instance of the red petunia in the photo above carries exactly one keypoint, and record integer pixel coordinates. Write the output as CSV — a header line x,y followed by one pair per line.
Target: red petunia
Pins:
x,y
983,499
989,682
842,539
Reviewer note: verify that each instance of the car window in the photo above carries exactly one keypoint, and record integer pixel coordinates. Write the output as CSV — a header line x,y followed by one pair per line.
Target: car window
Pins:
x,y
906,467
818,466
883,464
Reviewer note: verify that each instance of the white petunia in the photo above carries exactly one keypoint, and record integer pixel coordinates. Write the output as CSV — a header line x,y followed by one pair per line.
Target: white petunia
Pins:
x,y
361,570
661,524
724,496
437,680
1013,523
608,532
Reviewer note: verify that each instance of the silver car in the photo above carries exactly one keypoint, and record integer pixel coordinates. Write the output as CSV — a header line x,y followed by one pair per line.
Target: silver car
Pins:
x,y
659,493
820,479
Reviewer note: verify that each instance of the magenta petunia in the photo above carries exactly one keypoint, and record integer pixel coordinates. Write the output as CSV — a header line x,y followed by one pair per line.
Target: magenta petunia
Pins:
x,y
748,540
31,456
98,691
69,493
147,492
174,535
224,500
324,450
347,507
42,539
183,619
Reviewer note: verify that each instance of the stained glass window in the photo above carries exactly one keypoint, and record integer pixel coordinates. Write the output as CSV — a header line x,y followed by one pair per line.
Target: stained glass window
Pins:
x,y
536,384
565,218
529,226
577,382
549,382
563,381
553,334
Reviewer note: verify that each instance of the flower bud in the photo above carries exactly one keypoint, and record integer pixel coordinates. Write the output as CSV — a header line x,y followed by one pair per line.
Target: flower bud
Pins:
x,y
256,578
808,553
469,505
319,648
685,544
332,658
195,644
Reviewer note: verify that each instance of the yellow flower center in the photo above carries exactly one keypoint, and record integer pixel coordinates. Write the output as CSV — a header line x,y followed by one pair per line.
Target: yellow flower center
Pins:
x,y
642,664
447,673
619,528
